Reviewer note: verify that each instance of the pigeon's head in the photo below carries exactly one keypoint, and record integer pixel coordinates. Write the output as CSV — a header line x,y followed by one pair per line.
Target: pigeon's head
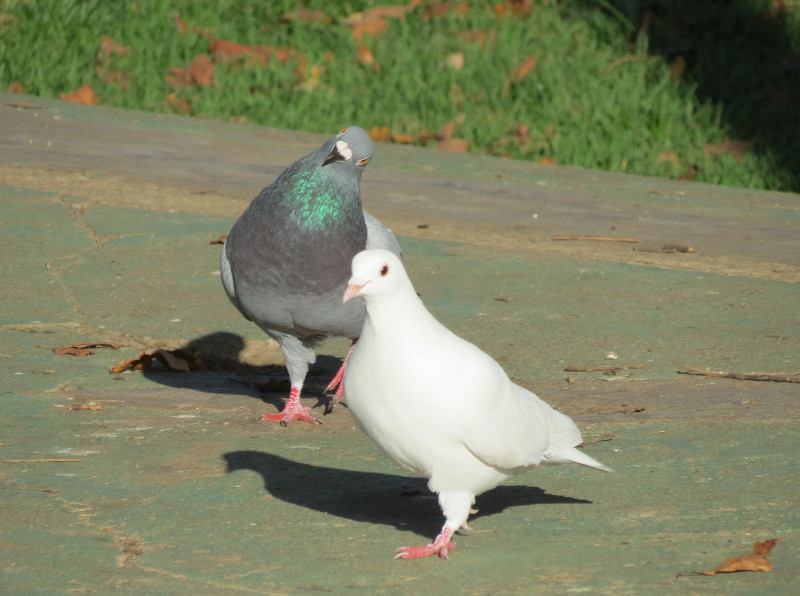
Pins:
x,y
351,149
376,273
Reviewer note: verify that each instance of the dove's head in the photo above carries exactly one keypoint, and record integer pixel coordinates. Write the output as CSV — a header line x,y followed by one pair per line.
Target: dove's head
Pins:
x,y
350,150
376,273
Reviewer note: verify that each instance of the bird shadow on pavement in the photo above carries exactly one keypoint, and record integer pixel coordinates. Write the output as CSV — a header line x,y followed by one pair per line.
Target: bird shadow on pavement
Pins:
x,y
225,371
373,497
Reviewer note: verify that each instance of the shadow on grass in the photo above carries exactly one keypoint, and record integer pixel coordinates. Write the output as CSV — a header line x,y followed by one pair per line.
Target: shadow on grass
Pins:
x,y
738,55
226,374
371,497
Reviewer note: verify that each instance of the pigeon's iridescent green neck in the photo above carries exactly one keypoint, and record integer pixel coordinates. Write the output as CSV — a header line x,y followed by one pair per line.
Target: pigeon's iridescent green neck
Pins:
x,y
316,202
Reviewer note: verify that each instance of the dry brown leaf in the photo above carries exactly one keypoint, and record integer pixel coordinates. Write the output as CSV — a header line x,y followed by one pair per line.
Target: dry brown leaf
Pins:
x,y
200,72
519,72
455,145
439,9
669,156
173,359
380,134
546,161
93,407
448,130
179,105
479,36
753,561
81,349
301,13
16,87
109,48
735,148
371,28
219,239
402,138
83,95
227,51
365,56
456,61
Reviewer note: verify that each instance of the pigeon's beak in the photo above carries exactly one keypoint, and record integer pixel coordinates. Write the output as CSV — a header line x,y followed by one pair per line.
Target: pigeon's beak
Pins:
x,y
353,289
341,152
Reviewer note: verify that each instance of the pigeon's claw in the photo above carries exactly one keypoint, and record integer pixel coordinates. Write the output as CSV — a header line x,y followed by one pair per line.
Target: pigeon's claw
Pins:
x,y
441,546
293,410
337,382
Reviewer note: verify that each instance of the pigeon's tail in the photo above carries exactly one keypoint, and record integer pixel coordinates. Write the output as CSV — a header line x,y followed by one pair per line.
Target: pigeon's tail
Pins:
x,y
576,456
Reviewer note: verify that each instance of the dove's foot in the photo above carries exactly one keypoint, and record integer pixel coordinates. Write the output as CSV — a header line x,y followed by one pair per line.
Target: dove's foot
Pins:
x,y
441,546
337,382
293,410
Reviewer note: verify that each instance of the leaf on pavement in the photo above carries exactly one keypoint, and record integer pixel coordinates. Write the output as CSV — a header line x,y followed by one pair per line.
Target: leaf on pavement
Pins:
x,y
754,561
84,94
81,349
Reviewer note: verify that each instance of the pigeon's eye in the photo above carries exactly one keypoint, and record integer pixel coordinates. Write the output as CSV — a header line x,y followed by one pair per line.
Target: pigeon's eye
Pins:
x,y
341,132
384,270
362,162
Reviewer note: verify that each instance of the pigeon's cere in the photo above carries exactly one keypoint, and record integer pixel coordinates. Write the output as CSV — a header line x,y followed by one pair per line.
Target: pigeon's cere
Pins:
x,y
438,405
286,260
344,151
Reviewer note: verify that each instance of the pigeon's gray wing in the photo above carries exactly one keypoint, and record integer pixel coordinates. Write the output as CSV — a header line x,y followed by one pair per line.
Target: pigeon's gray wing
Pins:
x,y
379,236
227,277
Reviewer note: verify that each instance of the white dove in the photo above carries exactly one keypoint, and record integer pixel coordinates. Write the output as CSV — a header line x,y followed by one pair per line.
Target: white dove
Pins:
x,y
440,406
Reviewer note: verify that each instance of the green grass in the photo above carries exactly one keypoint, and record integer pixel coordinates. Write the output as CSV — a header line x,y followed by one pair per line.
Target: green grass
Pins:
x,y
601,95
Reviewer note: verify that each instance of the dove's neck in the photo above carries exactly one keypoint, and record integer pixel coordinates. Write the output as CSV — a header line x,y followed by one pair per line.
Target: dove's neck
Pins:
x,y
397,318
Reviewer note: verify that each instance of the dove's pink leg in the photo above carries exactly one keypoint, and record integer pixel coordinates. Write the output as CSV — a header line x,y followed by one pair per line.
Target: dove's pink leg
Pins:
x,y
293,410
338,381
441,546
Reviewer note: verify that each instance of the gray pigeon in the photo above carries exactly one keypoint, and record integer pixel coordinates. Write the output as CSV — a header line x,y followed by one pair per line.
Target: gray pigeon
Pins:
x,y
440,406
286,261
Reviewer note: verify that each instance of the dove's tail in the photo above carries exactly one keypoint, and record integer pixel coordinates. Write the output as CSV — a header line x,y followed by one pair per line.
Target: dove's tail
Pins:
x,y
576,456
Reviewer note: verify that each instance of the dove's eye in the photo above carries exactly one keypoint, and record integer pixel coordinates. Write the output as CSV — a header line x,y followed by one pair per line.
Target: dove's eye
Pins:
x,y
341,132
362,162
384,270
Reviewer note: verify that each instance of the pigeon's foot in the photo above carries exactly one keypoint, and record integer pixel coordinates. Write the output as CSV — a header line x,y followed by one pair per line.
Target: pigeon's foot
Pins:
x,y
441,546
293,410
337,382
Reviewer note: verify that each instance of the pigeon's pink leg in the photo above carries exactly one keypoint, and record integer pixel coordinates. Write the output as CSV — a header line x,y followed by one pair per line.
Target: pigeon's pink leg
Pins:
x,y
441,546
293,410
338,381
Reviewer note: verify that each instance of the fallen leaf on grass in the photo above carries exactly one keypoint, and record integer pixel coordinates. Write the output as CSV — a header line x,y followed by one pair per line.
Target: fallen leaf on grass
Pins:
x,y
93,407
518,8
220,239
735,148
179,105
380,134
519,72
301,13
439,9
199,72
456,61
83,95
229,51
455,145
16,87
109,48
365,56
80,349
754,561
173,359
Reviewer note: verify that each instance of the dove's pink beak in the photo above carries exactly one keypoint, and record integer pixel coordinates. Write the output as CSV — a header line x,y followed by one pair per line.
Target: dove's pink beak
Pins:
x,y
353,289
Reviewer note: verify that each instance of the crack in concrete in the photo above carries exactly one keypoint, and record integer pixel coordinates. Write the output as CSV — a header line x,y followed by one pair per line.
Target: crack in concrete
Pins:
x,y
78,211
